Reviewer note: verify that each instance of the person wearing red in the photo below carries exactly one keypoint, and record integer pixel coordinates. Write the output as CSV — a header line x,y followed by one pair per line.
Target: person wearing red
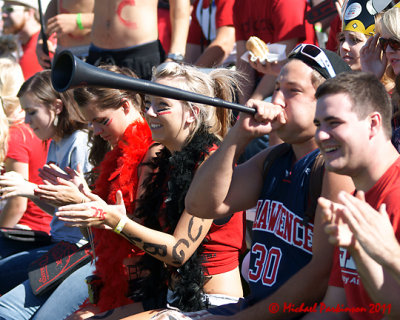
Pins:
x,y
28,61
164,24
21,18
184,261
273,21
353,120
211,36
25,147
25,154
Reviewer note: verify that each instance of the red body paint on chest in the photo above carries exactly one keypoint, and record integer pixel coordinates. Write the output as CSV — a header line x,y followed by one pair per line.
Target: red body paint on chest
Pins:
x,y
121,6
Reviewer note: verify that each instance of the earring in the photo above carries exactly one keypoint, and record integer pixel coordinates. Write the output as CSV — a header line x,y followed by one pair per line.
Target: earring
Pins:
x,y
55,122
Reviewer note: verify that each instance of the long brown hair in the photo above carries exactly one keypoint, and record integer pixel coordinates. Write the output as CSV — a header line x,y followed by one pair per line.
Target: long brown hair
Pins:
x,y
40,87
106,98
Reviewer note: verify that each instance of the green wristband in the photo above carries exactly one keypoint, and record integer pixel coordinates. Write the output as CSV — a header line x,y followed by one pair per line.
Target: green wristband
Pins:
x,y
79,21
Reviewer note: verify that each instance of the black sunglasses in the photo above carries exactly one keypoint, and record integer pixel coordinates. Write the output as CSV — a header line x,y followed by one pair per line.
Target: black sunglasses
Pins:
x,y
7,9
394,44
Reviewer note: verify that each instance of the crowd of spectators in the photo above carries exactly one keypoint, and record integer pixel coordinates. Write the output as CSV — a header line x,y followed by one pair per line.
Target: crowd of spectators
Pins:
x,y
117,204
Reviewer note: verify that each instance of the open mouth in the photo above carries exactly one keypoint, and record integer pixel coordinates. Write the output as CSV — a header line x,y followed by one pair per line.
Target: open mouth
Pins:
x,y
394,61
155,126
330,149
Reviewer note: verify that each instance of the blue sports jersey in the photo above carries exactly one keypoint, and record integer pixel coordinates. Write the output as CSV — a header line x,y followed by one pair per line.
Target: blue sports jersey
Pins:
x,y
282,242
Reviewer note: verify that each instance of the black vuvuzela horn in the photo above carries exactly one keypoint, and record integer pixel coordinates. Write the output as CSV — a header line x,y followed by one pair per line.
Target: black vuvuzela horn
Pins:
x,y
70,72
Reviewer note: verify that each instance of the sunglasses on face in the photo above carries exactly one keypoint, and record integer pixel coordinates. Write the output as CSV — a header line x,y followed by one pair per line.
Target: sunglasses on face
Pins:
x,y
316,54
12,8
384,43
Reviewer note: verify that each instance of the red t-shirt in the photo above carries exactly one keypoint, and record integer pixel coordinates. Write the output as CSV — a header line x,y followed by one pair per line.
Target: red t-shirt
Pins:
x,y
344,274
29,62
223,244
221,15
25,147
273,20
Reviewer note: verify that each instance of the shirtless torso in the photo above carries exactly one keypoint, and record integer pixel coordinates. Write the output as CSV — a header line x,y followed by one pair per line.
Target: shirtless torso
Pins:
x,y
125,33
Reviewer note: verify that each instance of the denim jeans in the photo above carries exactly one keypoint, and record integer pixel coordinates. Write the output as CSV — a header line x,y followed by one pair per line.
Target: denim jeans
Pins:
x,y
14,268
9,247
20,303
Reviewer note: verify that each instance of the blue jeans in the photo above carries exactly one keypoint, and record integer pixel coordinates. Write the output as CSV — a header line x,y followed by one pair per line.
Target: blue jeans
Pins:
x,y
20,303
14,268
9,247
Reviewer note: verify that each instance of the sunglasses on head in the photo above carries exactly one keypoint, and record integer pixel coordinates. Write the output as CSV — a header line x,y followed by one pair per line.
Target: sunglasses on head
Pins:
x,y
316,54
384,43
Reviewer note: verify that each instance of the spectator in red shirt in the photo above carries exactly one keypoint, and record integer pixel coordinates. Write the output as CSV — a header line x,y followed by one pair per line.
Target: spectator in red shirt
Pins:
x,y
21,17
273,21
211,38
26,154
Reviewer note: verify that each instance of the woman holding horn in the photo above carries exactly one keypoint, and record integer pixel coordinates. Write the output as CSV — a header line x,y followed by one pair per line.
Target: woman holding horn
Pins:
x,y
187,262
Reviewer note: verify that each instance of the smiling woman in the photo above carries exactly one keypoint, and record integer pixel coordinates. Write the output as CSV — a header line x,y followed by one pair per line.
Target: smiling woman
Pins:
x,y
382,57
174,257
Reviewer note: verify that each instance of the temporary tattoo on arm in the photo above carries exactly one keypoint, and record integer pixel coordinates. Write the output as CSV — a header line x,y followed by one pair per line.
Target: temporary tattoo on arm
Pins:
x,y
190,227
155,249
131,239
99,213
151,248
179,256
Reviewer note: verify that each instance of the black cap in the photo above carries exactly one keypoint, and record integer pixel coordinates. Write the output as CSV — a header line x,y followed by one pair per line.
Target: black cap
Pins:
x,y
338,64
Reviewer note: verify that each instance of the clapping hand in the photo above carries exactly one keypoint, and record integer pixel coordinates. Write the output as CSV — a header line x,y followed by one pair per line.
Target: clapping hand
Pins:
x,y
13,185
93,213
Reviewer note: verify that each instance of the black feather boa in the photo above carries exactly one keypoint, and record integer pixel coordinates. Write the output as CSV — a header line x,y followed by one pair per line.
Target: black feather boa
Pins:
x,y
160,207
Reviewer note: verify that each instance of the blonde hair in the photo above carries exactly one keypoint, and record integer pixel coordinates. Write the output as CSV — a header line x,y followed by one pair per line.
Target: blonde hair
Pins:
x,y
3,136
9,46
219,83
389,23
11,79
